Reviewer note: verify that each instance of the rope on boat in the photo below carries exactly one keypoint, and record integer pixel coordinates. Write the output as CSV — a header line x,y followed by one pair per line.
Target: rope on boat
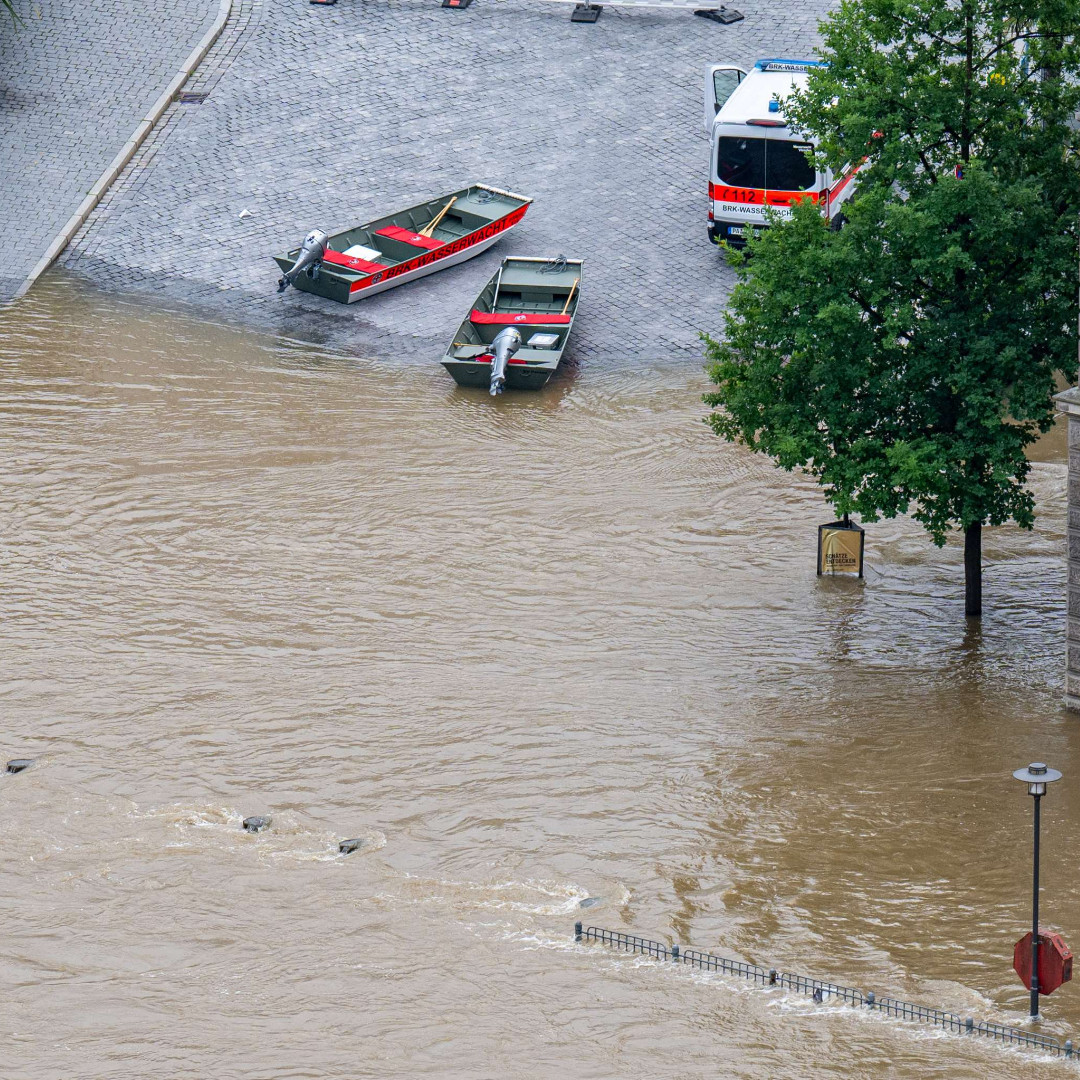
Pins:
x,y
554,266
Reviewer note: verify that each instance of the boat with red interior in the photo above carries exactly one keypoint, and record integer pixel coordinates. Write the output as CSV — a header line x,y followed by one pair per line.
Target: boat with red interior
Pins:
x,y
517,330
403,246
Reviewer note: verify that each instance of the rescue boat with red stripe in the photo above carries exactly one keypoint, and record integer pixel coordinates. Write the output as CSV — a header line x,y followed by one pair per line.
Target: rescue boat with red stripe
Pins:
x,y
408,244
539,298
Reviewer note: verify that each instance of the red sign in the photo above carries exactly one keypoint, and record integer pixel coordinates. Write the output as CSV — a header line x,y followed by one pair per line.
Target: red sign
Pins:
x,y
1055,961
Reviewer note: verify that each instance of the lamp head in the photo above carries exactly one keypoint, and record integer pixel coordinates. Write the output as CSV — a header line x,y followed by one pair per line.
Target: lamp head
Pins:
x,y
1037,776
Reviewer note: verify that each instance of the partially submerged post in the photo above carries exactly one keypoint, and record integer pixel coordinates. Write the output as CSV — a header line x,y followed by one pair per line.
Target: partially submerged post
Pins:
x,y
1036,776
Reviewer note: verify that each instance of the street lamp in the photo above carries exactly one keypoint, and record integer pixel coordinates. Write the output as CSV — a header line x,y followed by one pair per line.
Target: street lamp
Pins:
x,y
1036,776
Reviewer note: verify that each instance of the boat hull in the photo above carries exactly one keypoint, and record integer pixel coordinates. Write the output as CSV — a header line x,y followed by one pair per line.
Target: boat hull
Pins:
x,y
518,376
346,280
336,289
537,297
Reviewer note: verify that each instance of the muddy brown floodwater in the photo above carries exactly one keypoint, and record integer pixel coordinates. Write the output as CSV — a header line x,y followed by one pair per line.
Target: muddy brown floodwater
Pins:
x,y
530,650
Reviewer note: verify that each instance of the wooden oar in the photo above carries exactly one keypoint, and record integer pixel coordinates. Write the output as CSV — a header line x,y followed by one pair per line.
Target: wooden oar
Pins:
x,y
573,289
432,225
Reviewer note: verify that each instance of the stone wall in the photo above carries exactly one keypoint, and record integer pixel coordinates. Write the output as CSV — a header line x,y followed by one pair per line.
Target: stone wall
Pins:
x,y
1069,403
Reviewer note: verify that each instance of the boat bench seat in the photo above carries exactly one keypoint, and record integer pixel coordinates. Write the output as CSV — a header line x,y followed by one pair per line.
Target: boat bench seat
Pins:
x,y
482,354
413,239
352,262
509,318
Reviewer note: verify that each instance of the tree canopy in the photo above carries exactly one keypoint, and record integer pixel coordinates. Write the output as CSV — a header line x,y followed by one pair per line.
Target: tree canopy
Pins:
x,y
907,359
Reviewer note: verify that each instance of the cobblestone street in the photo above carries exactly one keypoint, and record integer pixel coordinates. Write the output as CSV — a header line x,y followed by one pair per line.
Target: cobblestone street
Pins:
x,y
326,117
75,79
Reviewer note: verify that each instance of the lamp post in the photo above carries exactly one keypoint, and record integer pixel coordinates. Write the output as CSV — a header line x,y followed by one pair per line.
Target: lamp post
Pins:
x,y
1036,776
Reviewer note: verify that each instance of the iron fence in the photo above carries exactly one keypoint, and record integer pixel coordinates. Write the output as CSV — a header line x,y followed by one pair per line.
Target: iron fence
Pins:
x,y
708,962
628,943
821,991
904,1010
1016,1037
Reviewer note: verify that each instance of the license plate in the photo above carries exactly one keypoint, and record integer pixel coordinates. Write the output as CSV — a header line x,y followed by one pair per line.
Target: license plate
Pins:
x,y
735,230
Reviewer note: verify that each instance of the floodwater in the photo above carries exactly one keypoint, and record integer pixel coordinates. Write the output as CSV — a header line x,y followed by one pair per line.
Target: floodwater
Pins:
x,y
531,650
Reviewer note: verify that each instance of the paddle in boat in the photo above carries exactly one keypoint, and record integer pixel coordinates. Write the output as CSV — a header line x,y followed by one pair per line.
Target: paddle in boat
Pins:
x,y
401,247
517,330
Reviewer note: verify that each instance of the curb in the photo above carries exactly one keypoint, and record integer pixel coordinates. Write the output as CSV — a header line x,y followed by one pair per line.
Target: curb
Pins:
x,y
138,137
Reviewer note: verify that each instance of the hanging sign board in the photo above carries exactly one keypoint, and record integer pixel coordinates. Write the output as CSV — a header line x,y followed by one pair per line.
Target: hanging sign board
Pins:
x,y
840,548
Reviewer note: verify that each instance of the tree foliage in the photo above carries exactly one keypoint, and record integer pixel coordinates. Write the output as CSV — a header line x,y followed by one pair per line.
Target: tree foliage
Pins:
x,y
907,359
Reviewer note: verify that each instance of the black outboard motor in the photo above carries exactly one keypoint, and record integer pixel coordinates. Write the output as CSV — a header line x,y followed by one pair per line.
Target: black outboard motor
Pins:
x,y
506,343
311,252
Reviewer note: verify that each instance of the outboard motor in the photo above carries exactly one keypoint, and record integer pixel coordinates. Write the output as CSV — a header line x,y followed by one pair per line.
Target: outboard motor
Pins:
x,y
311,252
506,343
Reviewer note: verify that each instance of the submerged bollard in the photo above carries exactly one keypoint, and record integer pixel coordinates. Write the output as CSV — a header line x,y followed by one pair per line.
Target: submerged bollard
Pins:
x,y
870,999
1068,1048
818,996
772,976
257,823
675,953
347,847
577,931
16,765
969,1025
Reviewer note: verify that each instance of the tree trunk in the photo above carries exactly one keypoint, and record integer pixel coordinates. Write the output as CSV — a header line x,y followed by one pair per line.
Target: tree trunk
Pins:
x,y
973,571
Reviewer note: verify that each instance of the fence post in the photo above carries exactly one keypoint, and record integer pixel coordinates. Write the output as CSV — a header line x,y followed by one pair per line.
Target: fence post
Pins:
x,y
577,931
675,953
870,999
1068,1048
969,1025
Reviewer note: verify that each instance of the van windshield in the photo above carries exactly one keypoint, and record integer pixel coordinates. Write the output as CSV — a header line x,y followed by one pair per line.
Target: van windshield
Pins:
x,y
764,163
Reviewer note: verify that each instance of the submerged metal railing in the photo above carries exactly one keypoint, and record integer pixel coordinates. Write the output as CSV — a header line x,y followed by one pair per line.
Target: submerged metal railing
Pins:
x,y
825,991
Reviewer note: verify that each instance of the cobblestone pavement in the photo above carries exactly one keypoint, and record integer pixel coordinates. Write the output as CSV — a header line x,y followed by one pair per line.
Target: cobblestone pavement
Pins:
x,y
326,117
75,80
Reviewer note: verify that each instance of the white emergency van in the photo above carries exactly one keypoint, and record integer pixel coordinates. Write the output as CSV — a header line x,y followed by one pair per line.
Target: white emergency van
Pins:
x,y
757,160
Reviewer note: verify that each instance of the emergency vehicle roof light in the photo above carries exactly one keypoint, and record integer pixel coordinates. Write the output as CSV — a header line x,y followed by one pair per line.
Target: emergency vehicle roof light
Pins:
x,y
778,63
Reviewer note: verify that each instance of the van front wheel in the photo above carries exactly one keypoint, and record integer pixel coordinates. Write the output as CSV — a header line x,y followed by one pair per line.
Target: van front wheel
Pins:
x,y
837,222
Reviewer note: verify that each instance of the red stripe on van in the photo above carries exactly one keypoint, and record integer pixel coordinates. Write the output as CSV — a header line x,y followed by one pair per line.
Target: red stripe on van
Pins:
x,y
749,196
759,196
844,181
786,198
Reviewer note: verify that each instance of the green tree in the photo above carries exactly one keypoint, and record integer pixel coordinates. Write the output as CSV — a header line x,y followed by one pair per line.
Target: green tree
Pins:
x,y
908,358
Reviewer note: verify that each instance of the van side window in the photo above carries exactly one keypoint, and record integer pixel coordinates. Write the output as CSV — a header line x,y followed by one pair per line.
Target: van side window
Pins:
x,y
725,80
